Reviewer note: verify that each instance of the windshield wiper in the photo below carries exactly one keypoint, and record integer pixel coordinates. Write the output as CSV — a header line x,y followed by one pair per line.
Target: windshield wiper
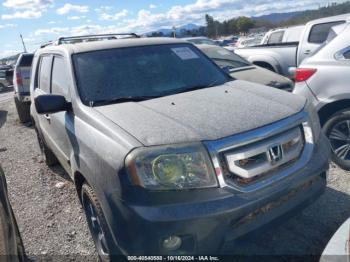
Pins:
x,y
121,100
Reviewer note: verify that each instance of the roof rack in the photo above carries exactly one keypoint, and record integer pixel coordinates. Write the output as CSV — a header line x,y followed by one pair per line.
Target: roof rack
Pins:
x,y
99,37
89,38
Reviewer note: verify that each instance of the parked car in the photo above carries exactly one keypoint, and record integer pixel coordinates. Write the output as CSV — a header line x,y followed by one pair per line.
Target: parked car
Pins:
x,y
169,154
285,57
338,248
200,40
21,86
283,35
324,79
4,83
241,69
11,246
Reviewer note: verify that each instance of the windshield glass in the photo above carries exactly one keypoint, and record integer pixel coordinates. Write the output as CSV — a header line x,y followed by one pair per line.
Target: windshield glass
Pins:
x,y
202,41
142,72
225,58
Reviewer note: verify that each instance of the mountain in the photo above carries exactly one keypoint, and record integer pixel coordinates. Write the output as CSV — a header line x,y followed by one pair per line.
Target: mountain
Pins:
x,y
277,17
179,30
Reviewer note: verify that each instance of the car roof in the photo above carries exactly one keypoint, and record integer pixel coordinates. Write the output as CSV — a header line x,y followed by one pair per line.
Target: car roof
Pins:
x,y
111,44
345,17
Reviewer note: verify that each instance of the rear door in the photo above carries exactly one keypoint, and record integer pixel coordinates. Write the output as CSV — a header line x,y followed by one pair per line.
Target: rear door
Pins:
x,y
313,38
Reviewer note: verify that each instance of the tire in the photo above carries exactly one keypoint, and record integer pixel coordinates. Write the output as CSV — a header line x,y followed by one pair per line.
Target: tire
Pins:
x,y
337,130
23,110
97,224
49,157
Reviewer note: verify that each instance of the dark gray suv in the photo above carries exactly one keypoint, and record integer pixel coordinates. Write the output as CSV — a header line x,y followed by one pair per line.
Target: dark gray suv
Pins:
x,y
169,154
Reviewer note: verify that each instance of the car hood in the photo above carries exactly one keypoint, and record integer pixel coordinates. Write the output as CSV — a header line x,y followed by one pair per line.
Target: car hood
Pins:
x,y
262,76
206,114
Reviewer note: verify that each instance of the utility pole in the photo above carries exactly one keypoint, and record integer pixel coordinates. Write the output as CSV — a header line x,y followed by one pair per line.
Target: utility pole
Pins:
x,y
174,31
24,46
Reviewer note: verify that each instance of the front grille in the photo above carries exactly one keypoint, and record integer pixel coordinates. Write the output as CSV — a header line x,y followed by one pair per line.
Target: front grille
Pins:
x,y
251,163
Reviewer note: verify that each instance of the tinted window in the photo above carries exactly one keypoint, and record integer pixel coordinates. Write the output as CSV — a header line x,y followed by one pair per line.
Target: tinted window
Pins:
x,y
225,58
26,60
146,71
59,80
202,41
319,33
2,74
276,38
347,54
45,74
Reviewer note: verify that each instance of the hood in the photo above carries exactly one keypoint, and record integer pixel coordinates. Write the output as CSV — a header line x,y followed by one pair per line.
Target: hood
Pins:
x,y
206,114
262,76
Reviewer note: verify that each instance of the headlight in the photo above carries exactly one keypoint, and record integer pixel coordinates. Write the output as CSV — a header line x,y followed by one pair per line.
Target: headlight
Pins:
x,y
314,121
171,167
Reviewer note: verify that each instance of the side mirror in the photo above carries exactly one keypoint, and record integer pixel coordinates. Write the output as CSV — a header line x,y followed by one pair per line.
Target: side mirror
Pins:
x,y
49,104
227,69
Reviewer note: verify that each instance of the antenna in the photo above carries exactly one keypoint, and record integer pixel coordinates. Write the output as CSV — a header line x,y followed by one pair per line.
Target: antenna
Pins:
x,y
24,46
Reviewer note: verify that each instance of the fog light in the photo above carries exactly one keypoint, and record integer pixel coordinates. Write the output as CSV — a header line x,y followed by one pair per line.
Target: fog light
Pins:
x,y
172,243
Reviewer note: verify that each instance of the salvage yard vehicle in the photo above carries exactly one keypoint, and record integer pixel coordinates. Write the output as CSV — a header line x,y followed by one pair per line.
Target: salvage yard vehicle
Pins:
x,y
11,246
338,248
200,40
324,80
169,154
283,35
21,86
241,69
4,83
283,58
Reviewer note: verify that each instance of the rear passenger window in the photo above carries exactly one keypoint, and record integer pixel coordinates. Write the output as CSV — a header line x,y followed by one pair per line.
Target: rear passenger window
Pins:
x,y
60,82
45,74
319,33
26,60
276,38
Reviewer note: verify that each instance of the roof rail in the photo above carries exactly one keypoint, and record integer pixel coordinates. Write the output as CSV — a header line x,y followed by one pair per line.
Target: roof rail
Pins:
x,y
78,39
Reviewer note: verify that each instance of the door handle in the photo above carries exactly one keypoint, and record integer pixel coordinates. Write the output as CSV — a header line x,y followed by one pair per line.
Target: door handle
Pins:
x,y
307,52
47,117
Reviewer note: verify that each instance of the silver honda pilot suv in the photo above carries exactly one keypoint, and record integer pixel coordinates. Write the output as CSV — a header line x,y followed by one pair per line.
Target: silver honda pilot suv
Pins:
x,y
169,154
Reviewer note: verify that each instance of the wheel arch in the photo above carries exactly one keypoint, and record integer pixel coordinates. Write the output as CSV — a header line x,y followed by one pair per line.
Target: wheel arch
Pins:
x,y
331,108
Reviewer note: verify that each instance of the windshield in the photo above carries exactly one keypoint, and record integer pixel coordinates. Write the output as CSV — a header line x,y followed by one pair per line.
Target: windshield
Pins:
x,y
143,72
202,41
225,58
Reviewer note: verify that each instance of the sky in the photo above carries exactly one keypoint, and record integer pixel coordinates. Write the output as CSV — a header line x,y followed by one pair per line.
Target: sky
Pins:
x,y
42,20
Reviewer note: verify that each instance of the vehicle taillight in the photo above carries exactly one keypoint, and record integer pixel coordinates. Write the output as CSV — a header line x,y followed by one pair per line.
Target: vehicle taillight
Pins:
x,y
303,74
19,79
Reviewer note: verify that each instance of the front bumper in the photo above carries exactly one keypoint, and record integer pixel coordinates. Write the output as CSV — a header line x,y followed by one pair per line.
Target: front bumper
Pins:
x,y
204,225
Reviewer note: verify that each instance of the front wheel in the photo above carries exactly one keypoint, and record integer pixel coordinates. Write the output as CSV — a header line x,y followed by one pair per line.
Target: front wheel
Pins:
x,y
337,129
100,233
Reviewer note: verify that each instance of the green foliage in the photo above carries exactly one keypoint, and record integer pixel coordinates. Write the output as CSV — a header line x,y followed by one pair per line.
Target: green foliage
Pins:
x,y
244,24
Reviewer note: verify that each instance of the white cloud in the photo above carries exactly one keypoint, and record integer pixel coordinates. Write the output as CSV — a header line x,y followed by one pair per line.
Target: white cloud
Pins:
x,y
7,26
152,6
27,14
26,9
67,8
76,17
116,16
53,30
28,4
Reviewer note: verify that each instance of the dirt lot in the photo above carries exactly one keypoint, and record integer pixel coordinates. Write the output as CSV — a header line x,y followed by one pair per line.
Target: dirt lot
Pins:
x,y
51,221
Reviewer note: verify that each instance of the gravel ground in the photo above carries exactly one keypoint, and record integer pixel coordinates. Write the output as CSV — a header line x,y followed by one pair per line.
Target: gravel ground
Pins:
x,y
44,200
51,221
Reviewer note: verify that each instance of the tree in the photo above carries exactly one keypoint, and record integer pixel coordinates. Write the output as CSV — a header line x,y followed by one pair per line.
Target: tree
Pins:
x,y
211,26
244,24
